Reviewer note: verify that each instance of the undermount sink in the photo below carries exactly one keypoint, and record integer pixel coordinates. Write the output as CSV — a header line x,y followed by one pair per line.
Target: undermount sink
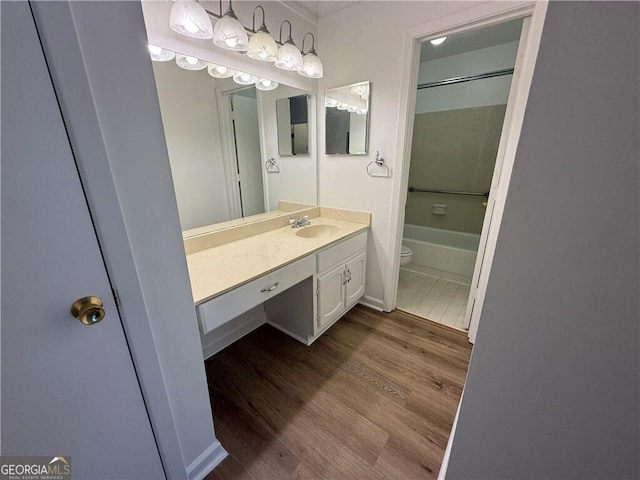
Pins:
x,y
317,231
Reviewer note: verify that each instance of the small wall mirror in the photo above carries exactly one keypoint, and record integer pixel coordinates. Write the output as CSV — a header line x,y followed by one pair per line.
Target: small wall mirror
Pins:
x,y
293,125
347,119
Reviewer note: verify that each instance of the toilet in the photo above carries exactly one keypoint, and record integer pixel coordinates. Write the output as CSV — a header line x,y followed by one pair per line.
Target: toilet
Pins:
x,y
405,255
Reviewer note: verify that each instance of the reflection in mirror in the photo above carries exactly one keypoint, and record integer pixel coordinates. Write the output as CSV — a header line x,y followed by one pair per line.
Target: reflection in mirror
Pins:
x,y
293,125
219,136
347,119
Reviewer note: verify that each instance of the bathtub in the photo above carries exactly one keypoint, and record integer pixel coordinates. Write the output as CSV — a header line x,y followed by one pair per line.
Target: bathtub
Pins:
x,y
443,250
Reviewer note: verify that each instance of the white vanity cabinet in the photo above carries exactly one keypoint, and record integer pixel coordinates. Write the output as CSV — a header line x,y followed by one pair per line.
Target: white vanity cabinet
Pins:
x,y
222,309
340,280
302,299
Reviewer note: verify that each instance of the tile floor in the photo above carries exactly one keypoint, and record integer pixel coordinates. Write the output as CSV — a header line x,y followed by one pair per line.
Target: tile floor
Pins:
x,y
433,298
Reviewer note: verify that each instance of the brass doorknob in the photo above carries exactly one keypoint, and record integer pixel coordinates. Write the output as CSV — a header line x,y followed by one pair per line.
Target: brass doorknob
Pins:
x,y
89,310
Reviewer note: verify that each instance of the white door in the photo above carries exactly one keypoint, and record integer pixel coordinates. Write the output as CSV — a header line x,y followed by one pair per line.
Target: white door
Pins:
x,y
247,136
330,295
67,389
499,185
355,279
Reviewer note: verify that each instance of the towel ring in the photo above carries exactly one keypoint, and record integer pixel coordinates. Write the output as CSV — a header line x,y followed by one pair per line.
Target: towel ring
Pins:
x,y
378,162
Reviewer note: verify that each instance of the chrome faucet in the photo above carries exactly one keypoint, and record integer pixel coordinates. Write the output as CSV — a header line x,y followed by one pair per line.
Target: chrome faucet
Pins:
x,y
299,222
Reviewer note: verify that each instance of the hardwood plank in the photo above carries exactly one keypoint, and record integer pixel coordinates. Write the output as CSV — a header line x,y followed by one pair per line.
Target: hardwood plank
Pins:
x,y
374,397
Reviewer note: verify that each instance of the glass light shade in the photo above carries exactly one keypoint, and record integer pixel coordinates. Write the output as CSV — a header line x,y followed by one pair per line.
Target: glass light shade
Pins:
x,y
438,41
189,63
242,78
361,90
330,102
219,71
159,54
362,111
342,106
189,18
265,84
262,47
289,57
311,66
229,33
352,109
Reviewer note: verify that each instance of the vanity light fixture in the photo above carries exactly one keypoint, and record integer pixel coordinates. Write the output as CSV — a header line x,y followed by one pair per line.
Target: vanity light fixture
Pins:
x,y
229,33
342,106
219,71
159,54
311,64
330,102
362,111
262,46
265,84
352,109
438,41
190,19
189,63
289,57
361,91
242,78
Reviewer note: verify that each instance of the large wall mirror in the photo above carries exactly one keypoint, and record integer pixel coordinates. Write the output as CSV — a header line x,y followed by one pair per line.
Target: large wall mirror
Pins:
x,y
228,162
293,125
347,119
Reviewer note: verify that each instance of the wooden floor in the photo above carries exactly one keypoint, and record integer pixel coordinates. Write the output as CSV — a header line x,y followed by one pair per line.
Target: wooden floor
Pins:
x,y
374,397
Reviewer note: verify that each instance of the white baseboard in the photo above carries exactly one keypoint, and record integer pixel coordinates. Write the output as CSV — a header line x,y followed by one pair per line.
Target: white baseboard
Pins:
x,y
232,331
372,302
206,462
289,332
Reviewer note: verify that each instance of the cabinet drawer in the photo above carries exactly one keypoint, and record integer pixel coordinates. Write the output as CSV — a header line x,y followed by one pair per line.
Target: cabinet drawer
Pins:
x,y
339,253
221,309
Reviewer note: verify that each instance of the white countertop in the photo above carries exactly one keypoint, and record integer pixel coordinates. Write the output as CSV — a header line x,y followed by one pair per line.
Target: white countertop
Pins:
x,y
217,270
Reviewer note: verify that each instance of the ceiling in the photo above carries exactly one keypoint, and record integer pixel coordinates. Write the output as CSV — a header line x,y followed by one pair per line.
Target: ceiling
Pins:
x,y
473,40
313,10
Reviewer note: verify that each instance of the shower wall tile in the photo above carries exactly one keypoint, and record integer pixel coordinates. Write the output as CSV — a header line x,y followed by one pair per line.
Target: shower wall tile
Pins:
x,y
453,150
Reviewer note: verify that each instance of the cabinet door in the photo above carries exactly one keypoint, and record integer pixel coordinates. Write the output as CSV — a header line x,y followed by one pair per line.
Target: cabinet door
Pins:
x,y
330,296
355,272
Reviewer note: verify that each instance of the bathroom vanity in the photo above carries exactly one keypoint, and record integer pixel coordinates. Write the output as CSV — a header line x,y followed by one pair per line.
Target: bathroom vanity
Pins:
x,y
299,280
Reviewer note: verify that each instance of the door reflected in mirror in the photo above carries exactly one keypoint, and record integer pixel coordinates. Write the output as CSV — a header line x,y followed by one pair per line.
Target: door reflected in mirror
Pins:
x,y
293,125
347,119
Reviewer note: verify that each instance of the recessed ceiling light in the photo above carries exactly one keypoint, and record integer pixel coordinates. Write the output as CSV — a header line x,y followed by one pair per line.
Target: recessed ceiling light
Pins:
x,y
438,41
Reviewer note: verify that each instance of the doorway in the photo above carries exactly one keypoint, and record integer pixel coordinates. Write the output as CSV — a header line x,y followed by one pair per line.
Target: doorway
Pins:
x,y
243,107
463,89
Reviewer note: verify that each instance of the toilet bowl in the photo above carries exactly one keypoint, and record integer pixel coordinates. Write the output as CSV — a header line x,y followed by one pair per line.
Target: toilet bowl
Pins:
x,y
405,255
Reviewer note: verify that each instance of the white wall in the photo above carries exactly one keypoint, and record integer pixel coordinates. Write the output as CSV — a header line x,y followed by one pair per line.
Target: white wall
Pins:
x,y
479,93
374,53
189,110
297,180
553,385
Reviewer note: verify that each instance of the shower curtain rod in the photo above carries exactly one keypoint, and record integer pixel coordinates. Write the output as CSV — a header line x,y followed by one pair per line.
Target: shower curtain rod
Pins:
x,y
469,78
448,192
